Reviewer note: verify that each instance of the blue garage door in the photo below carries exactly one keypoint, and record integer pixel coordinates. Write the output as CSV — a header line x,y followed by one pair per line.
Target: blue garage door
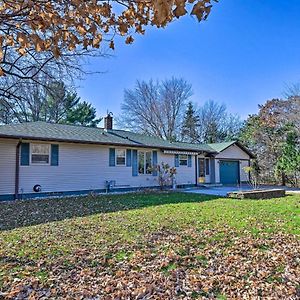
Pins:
x,y
229,172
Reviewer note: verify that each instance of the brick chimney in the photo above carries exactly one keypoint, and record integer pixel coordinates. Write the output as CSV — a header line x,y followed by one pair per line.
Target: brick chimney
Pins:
x,y
108,122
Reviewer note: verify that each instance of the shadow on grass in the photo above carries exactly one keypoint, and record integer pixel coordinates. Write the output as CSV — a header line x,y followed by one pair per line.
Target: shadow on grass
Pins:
x,y
32,212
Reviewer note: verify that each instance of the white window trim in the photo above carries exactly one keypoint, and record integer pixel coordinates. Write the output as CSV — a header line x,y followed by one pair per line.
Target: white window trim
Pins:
x,y
116,161
187,160
40,164
145,151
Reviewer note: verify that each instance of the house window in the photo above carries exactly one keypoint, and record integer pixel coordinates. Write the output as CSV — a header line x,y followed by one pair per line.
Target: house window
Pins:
x,y
145,162
207,166
120,157
40,154
183,160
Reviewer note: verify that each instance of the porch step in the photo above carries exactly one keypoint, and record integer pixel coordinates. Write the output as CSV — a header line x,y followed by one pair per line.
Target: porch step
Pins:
x,y
210,185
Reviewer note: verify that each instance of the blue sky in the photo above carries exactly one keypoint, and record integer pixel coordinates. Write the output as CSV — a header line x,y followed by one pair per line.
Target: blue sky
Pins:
x,y
245,53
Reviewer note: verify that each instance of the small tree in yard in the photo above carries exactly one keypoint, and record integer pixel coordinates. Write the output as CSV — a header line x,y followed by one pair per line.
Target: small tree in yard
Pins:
x,y
166,175
253,172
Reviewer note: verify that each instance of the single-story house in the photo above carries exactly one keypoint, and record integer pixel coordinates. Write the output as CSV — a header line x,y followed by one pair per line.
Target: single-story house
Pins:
x,y
43,159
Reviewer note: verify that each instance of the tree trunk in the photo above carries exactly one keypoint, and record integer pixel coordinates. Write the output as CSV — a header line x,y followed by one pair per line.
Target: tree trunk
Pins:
x,y
283,179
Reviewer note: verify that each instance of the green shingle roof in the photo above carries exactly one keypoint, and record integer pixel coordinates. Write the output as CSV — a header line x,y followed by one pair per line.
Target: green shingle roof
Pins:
x,y
59,132
219,147
80,134
151,141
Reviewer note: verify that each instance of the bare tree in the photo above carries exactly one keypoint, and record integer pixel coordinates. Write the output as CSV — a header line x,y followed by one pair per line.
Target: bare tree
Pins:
x,y
291,105
28,76
216,124
156,108
291,90
55,103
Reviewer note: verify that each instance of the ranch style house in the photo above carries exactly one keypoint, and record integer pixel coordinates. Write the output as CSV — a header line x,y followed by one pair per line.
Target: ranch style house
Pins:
x,y
41,159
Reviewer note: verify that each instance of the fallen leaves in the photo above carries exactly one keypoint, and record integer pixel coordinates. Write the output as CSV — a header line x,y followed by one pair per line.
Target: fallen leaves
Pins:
x,y
159,269
172,257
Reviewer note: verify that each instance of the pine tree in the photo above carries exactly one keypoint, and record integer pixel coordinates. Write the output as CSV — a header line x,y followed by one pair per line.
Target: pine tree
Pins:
x,y
190,125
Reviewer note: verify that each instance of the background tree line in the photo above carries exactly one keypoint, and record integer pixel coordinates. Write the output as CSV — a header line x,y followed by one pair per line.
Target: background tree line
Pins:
x,y
164,109
55,103
273,135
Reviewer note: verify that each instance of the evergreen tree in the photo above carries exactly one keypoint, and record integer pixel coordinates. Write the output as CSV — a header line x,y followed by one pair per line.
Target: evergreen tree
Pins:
x,y
289,161
190,125
82,114
57,104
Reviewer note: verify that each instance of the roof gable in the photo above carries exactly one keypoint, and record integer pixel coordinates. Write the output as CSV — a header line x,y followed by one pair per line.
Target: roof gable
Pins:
x,y
220,147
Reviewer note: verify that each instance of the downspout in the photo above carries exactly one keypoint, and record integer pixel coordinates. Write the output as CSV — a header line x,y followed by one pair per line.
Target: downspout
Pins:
x,y
17,173
196,169
249,172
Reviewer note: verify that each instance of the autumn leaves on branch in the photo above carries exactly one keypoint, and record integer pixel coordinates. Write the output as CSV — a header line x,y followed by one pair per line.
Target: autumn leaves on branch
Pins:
x,y
58,25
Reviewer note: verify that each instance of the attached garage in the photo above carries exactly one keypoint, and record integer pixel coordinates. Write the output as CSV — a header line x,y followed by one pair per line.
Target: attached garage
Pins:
x,y
230,162
229,172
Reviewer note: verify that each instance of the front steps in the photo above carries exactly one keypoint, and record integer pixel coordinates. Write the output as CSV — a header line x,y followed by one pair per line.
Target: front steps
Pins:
x,y
210,185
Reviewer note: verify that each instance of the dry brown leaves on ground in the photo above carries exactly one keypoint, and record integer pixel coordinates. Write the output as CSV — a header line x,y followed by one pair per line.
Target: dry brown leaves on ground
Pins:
x,y
190,265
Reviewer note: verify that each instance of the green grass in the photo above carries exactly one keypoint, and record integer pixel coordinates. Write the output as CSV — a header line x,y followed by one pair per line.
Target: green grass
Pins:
x,y
183,230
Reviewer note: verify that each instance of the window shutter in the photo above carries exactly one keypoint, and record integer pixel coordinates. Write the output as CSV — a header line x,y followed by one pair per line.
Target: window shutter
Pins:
x,y
207,166
128,158
176,160
25,153
54,155
154,163
112,157
189,161
134,163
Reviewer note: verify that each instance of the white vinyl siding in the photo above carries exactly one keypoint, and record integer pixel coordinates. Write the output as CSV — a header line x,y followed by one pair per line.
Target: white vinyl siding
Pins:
x,y
184,174
86,167
7,166
233,152
81,167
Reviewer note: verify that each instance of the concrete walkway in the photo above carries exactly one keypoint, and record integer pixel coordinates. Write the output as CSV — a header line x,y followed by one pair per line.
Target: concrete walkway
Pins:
x,y
222,191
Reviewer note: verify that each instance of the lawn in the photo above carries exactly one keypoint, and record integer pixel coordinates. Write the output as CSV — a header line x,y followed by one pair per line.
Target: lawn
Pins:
x,y
150,246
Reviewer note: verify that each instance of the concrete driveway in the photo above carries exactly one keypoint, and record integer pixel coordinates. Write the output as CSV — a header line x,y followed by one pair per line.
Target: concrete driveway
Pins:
x,y
222,191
